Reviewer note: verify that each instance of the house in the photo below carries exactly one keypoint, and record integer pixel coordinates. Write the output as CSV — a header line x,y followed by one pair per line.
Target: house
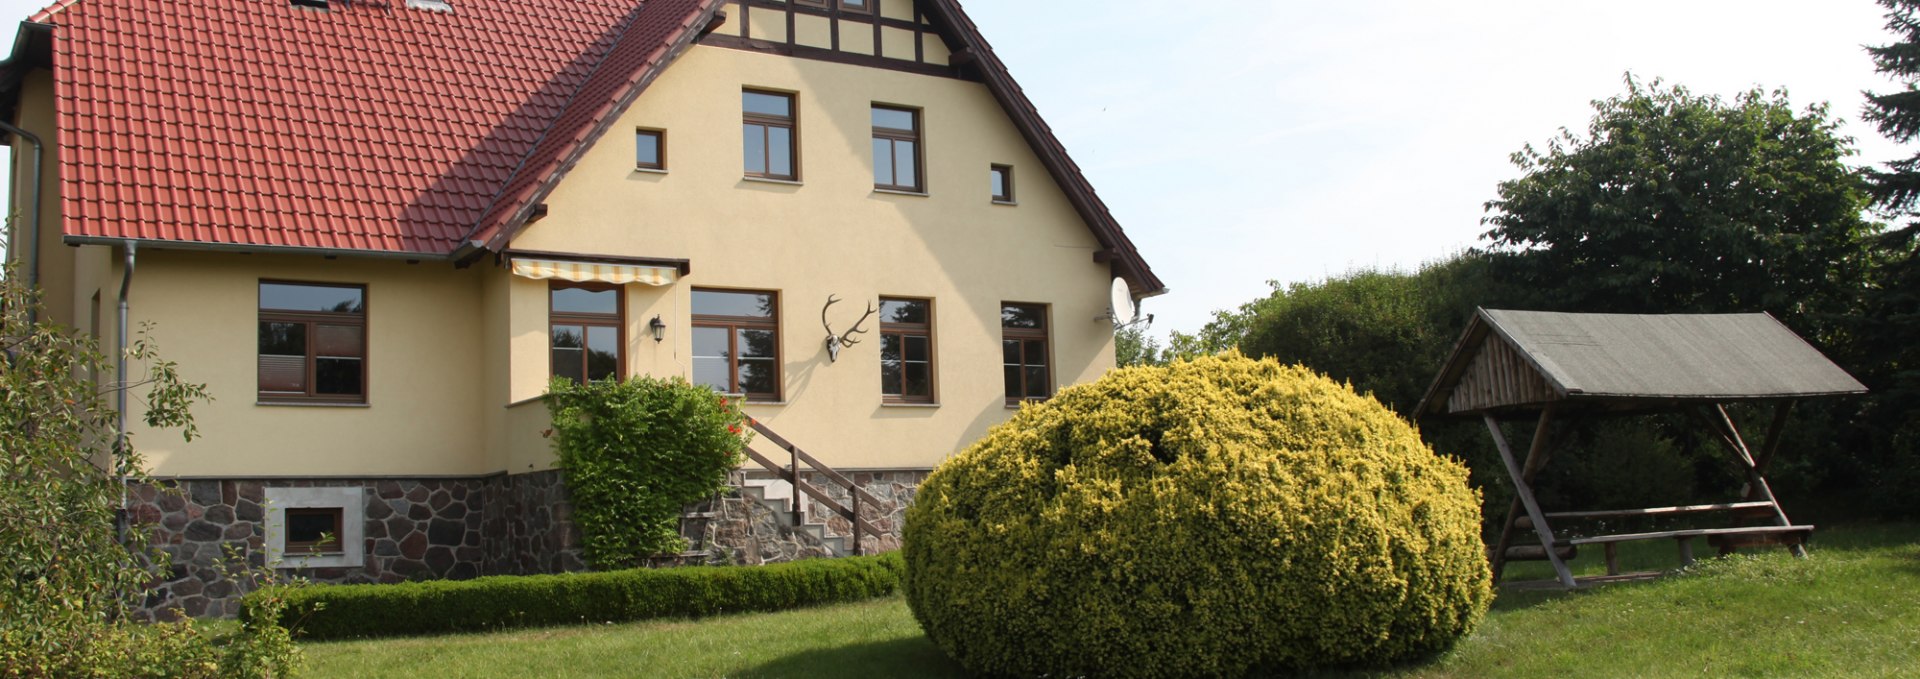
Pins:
x,y
377,228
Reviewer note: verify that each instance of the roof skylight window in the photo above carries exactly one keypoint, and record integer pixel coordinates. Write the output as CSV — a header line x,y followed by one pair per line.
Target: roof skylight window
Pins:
x,y
431,5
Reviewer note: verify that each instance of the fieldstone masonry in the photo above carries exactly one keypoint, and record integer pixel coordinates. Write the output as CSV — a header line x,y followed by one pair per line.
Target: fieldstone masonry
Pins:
x,y
461,528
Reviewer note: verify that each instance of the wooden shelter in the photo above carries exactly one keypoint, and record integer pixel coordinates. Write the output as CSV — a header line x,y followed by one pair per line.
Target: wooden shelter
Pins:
x,y
1553,367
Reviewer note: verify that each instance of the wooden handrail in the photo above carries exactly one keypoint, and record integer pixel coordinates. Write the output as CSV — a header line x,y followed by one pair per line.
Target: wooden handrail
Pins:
x,y
790,473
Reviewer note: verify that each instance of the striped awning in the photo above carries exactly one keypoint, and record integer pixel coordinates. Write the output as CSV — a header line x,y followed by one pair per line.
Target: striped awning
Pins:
x,y
595,272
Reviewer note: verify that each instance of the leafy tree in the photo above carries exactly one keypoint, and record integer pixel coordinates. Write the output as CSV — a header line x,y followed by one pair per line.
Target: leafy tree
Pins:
x,y
1676,202
1132,346
1384,331
70,575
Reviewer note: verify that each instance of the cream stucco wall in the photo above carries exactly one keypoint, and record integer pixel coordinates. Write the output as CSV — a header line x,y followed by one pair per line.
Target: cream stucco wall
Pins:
x,y
458,357
426,411
829,234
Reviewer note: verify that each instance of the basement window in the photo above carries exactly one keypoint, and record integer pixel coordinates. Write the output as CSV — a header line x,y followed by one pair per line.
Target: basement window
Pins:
x,y
316,527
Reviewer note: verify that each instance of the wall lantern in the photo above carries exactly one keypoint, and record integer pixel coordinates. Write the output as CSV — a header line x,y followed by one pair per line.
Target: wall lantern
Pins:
x,y
658,327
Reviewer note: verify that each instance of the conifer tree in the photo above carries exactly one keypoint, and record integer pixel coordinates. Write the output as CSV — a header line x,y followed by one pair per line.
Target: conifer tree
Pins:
x,y
1892,319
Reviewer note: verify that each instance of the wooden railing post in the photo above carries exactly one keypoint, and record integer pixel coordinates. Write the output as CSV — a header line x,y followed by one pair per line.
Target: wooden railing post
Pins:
x,y
853,493
799,503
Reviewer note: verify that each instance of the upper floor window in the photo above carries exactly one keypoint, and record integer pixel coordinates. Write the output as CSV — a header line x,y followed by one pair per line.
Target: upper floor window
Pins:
x,y
906,350
313,342
650,149
736,342
1023,344
1002,183
862,6
768,135
896,149
586,326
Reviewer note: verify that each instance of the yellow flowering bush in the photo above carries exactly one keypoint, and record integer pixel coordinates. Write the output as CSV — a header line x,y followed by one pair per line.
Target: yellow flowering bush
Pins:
x,y
1207,518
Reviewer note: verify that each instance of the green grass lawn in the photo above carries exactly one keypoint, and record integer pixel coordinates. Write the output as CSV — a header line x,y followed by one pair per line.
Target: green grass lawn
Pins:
x,y
1852,610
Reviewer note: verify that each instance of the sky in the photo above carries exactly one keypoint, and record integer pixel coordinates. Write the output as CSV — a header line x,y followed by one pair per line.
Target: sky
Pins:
x,y
1291,141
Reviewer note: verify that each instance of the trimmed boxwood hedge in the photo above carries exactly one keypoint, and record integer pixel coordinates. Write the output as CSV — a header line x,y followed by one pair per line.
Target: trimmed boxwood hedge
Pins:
x,y
497,602
1218,517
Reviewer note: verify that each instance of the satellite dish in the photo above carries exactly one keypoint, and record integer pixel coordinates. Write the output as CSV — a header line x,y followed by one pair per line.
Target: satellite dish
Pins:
x,y
1121,309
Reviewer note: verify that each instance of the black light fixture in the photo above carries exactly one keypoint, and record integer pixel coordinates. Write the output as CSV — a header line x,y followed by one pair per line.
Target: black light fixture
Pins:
x,y
658,327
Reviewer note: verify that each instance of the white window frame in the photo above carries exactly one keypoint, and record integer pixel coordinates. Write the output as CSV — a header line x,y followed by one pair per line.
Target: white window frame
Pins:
x,y
352,503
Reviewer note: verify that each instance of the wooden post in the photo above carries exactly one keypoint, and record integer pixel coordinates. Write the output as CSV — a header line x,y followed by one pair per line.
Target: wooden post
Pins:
x,y
1524,489
854,495
1758,481
799,503
1772,445
1613,558
1686,551
1537,455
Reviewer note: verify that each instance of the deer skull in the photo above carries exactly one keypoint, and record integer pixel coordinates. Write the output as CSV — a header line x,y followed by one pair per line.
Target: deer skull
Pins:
x,y
845,339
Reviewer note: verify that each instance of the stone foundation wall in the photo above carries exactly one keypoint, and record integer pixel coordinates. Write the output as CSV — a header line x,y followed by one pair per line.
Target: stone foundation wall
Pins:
x,y
894,489
458,529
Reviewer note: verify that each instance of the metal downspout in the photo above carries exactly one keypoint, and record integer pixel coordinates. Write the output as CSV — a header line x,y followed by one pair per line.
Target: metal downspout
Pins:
x,y
120,393
33,214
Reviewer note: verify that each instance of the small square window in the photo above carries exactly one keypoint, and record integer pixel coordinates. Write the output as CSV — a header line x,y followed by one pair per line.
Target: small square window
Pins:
x,y
315,530
650,149
1002,183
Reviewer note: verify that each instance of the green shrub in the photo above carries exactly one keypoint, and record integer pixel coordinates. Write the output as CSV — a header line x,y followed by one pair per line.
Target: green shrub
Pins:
x,y
635,454
341,611
1208,518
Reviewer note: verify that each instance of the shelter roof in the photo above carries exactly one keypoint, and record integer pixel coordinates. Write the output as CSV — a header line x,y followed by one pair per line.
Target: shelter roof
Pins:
x,y
1628,358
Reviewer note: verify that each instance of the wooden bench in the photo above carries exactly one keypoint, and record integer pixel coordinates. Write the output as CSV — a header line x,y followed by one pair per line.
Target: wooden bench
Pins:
x,y
1785,534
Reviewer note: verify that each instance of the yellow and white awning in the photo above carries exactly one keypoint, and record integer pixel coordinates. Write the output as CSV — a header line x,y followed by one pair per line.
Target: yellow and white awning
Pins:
x,y
595,272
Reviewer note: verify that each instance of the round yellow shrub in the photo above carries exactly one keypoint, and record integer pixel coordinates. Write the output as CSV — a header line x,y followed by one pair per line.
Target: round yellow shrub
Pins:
x,y
1209,518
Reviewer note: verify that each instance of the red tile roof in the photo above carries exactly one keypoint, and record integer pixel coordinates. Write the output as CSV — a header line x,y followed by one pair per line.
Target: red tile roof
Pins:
x,y
376,127
371,126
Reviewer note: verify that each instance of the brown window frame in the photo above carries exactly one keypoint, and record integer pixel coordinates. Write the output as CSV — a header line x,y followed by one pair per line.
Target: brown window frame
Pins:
x,y
616,320
307,547
659,145
791,123
1024,335
311,319
733,324
895,135
1006,182
904,330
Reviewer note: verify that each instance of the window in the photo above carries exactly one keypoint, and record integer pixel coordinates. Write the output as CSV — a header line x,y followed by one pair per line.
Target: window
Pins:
x,y
314,530
586,330
906,350
768,135
736,342
1023,345
316,527
862,6
313,342
896,149
1002,183
650,149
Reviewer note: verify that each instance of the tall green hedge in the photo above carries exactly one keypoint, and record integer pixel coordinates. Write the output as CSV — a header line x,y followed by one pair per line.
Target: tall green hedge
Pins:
x,y
499,602
635,453
1208,518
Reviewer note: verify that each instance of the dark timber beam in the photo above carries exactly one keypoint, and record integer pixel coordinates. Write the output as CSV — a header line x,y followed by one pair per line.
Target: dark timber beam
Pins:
x,y
1523,488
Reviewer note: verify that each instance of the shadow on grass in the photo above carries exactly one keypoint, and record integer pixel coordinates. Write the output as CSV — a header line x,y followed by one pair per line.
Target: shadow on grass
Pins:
x,y
915,657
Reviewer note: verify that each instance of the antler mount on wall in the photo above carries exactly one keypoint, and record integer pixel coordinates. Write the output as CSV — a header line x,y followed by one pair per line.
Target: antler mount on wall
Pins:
x,y
836,341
